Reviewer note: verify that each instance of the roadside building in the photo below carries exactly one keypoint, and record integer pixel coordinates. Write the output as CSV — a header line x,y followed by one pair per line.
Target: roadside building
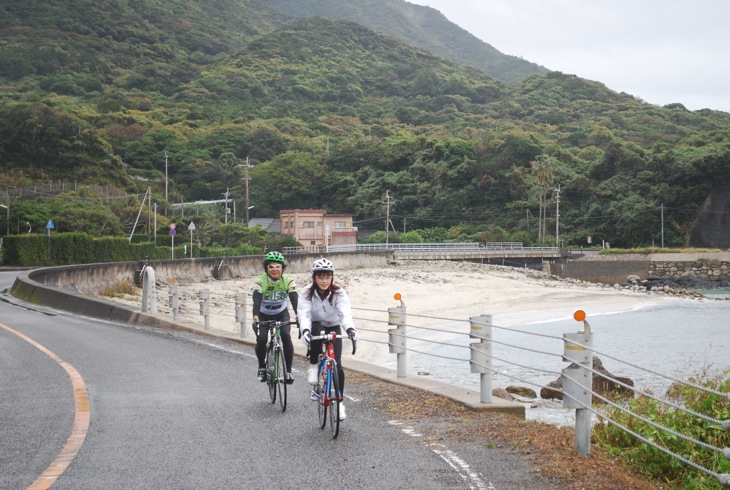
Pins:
x,y
316,230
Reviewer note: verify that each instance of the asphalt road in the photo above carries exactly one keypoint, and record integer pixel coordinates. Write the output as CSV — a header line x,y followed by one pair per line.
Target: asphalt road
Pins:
x,y
180,410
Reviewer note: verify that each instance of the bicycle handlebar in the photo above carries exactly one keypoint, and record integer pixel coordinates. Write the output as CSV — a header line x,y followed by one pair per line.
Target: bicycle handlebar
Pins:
x,y
273,323
330,337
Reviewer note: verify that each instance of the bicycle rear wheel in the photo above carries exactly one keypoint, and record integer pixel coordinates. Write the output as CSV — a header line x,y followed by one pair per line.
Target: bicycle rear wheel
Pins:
x,y
334,405
270,372
280,374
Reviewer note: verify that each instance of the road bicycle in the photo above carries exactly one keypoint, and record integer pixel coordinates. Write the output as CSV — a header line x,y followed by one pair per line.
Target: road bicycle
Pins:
x,y
275,361
327,392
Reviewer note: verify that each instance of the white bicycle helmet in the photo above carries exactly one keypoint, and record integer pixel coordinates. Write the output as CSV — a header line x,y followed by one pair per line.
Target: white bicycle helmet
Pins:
x,y
323,265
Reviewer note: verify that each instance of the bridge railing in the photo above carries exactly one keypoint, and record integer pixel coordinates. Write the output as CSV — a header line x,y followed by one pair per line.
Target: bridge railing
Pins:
x,y
449,248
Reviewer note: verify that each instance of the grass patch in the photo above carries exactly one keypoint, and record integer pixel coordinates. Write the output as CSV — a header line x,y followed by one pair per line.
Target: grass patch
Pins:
x,y
118,290
657,250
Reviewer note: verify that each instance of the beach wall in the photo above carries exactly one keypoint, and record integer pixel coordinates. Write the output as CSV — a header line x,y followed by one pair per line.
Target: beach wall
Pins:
x,y
708,266
611,269
602,271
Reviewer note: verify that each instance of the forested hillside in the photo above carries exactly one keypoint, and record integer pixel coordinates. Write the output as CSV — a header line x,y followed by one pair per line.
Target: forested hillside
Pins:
x,y
333,115
424,27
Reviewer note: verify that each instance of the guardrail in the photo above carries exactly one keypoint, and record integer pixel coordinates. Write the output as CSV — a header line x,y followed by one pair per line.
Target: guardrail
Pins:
x,y
576,382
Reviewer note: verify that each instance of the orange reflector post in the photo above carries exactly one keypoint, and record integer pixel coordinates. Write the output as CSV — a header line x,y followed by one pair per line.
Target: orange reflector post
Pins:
x,y
397,296
579,315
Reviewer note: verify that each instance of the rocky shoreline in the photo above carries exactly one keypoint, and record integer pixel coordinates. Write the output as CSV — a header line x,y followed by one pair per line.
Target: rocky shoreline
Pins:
x,y
686,286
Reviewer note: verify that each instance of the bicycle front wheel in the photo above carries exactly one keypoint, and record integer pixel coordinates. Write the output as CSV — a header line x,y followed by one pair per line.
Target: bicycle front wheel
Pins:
x,y
334,405
322,399
271,372
280,375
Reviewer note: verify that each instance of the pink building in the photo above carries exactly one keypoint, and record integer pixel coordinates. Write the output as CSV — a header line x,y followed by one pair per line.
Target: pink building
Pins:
x,y
316,230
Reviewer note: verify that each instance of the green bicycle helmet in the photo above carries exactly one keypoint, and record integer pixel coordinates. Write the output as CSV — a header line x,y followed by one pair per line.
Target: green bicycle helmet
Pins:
x,y
274,257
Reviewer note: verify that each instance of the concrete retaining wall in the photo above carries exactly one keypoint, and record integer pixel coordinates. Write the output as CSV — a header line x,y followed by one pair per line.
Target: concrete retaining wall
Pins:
x,y
64,288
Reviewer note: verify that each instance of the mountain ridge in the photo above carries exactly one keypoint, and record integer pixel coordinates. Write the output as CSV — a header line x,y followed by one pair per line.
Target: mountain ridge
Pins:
x,y
106,94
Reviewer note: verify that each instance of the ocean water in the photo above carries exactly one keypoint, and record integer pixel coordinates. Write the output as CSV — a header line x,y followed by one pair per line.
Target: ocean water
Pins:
x,y
652,343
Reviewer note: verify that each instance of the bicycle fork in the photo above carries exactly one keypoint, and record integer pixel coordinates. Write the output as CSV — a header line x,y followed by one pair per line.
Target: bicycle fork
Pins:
x,y
325,383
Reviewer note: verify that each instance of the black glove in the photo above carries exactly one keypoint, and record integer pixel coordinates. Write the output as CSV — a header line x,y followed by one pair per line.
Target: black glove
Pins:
x,y
352,333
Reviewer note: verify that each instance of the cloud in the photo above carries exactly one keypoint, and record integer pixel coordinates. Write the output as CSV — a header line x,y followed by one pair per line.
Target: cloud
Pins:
x,y
660,51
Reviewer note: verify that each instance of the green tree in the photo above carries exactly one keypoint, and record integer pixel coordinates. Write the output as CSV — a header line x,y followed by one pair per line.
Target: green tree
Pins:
x,y
292,180
544,168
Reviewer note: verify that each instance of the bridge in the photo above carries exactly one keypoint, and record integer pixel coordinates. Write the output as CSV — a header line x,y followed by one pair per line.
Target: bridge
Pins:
x,y
488,252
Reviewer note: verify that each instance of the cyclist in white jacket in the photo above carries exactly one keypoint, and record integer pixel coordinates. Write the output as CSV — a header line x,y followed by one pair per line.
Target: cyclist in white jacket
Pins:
x,y
323,308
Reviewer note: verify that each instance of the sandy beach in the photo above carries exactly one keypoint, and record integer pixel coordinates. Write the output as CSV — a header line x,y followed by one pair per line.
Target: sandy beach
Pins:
x,y
431,291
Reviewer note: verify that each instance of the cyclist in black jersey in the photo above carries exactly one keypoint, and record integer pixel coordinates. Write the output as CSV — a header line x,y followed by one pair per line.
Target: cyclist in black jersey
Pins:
x,y
272,293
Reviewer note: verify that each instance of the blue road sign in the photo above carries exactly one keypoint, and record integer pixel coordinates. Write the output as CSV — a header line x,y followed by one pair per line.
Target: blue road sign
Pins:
x,y
50,224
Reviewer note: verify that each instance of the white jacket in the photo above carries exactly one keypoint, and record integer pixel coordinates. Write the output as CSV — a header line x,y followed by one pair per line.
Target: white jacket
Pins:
x,y
339,312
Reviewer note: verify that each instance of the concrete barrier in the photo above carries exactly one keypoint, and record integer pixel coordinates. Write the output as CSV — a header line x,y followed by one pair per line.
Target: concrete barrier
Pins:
x,y
74,288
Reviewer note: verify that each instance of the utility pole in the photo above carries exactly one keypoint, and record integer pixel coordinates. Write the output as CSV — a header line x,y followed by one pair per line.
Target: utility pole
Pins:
x,y
226,212
245,167
149,214
166,182
387,215
662,225
557,216
7,210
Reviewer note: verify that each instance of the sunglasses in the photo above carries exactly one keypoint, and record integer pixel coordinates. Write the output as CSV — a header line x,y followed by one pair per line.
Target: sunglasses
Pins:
x,y
273,266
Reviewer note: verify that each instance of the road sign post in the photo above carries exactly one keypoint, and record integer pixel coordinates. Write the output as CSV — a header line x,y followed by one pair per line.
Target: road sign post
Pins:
x,y
191,229
49,227
172,234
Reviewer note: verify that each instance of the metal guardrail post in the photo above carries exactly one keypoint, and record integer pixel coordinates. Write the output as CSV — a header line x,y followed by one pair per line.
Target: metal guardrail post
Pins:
x,y
204,296
149,295
480,327
397,336
575,378
174,299
240,300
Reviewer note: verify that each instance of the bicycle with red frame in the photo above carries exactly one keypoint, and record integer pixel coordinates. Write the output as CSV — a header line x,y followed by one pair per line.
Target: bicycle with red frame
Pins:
x,y
327,392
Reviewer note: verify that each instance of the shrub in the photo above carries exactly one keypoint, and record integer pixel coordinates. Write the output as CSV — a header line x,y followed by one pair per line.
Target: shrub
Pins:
x,y
656,463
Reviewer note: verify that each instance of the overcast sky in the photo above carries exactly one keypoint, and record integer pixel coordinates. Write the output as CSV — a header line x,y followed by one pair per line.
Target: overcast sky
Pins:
x,y
661,51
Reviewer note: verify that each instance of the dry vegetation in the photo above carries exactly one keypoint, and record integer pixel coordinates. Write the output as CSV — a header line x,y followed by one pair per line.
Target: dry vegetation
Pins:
x,y
551,449
120,290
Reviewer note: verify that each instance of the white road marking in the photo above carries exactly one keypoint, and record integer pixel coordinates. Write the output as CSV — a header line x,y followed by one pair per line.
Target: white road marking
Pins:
x,y
461,467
